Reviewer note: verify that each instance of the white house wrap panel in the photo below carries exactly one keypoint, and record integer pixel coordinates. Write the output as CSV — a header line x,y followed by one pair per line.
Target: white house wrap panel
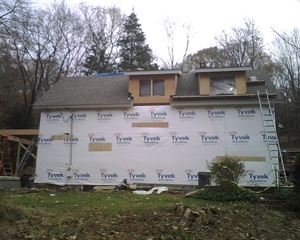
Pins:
x,y
105,147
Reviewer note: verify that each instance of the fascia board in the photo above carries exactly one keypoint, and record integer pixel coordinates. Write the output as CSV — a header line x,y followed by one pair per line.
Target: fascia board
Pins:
x,y
159,72
220,103
44,107
213,70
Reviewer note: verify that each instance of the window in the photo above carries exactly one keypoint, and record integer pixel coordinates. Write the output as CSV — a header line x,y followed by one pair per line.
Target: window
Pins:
x,y
222,85
152,88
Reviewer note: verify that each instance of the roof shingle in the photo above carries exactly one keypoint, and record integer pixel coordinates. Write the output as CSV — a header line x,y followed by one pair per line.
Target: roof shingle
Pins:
x,y
112,91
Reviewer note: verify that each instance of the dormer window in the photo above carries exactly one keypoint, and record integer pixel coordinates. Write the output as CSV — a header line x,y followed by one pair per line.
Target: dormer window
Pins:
x,y
222,86
152,87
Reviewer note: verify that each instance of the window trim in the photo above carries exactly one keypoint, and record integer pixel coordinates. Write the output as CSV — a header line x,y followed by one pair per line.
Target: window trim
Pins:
x,y
224,87
153,92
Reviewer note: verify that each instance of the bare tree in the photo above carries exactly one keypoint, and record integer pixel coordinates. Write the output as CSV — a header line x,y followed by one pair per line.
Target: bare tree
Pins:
x,y
104,28
8,8
41,43
171,27
286,55
243,46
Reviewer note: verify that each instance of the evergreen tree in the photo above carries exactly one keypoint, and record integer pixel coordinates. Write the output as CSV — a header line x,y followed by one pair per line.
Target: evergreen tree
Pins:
x,y
98,61
134,52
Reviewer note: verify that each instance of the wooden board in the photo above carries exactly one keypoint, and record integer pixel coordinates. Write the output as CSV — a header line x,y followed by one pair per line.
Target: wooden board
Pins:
x,y
5,132
62,137
151,124
19,140
96,147
244,158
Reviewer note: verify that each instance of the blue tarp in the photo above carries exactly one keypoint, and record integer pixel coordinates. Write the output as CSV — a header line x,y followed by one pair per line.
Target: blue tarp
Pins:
x,y
109,74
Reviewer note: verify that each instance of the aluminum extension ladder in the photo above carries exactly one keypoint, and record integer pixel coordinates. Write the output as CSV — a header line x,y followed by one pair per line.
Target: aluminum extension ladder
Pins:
x,y
268,118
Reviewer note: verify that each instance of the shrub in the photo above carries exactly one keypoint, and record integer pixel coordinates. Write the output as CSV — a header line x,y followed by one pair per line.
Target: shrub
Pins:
x,y
291,197
296,173
226,195
227,171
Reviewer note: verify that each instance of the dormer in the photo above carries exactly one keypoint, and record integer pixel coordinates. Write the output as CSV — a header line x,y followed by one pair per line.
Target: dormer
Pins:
x,y
152,87
222,81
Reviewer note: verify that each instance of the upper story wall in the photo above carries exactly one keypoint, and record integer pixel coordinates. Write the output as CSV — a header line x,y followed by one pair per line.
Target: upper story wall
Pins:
x,y
204,80
142,86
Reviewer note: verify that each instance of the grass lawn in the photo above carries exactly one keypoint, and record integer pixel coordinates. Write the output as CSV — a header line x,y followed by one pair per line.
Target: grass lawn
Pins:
x,y
55,214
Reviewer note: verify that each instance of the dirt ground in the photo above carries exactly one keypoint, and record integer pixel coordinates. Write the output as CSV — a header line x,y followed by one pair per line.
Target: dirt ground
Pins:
x,y
177,221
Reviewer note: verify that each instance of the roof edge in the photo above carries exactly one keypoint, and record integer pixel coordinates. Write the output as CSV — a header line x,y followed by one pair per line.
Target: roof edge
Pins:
x,y
156,72
83,106
225,69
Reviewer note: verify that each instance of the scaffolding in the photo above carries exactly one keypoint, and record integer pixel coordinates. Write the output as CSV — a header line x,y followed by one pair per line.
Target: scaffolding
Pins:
x,y
6,164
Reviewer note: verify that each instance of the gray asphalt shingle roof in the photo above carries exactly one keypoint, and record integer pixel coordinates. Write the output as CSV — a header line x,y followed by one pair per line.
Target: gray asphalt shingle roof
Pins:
x,y
90,91
110,91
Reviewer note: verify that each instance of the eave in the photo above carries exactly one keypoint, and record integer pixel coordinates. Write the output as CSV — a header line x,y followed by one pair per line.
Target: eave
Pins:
x,y
220,100
214,70
94,106
149,73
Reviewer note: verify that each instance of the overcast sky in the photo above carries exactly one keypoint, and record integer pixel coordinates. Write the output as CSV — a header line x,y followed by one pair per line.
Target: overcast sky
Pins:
x,y
207,17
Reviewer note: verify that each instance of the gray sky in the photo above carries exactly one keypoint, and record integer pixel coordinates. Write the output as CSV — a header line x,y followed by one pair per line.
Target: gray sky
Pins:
x,y
208,19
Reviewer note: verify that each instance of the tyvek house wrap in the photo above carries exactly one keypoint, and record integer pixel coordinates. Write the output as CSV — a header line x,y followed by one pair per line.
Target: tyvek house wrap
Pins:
x,y
149,144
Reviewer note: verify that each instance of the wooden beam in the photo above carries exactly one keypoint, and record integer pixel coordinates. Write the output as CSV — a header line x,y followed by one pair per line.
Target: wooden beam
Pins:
x,y
18,139
5,132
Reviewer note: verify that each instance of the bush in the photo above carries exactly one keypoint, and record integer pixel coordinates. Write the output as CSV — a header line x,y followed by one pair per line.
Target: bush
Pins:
x,y
226,195
227,171
296,173
291,197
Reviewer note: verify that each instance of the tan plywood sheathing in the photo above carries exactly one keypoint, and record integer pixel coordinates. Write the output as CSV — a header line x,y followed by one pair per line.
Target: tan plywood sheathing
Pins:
x,y
151,124
170,89
244,158
5,132
62,137
240,81
98,147
204,85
